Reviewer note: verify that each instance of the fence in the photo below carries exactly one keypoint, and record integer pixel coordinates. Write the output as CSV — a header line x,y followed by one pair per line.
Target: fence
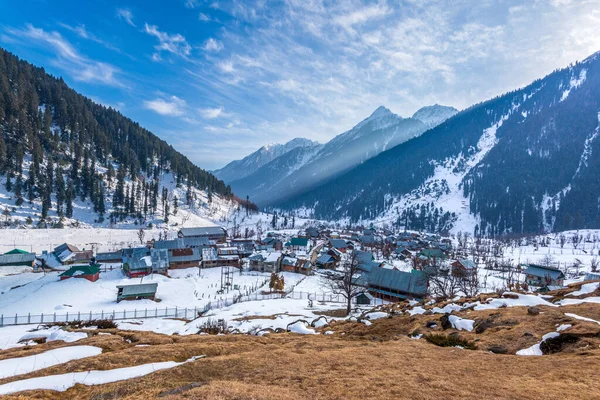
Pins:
x,y
173,312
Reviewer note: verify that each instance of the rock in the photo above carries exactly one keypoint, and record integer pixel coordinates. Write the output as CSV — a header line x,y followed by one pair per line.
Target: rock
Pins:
x,y
497,349
510,296
445,322
557,344
431,324
533,310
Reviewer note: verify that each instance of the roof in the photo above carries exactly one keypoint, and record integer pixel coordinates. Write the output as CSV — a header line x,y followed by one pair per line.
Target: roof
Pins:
x,y
412,283
17,251
303,242
112,255
209,254
367,239
325,259
338,243
186,256
142,288
80,270
202,231
289,261
468,264
542,272
9,259
64,247
433,253
272,257
363,256
368,266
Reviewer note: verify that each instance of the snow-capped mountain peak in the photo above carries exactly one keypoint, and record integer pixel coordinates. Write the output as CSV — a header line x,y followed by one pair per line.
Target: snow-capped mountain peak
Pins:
x,y
434,115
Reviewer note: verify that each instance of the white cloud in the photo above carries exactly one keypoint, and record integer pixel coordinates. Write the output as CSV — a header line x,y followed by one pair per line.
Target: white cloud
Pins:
x,y
203,17
68,58
191,3
125,15
172,106
226,66
212,113
362,15
175,44
212,45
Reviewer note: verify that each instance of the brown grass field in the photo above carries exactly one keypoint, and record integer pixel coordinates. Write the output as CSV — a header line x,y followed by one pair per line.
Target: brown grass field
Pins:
x,y
357,362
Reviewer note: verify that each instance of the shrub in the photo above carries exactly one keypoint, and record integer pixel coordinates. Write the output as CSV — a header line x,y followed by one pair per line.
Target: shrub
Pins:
x,y
449,341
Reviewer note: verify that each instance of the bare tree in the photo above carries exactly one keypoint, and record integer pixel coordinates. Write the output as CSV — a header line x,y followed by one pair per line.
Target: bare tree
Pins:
x,y
344,283
469,284
562,239
141,234
442,284
594,264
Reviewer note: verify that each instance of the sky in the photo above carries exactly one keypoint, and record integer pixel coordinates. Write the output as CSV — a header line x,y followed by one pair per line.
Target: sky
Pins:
x,y
219,78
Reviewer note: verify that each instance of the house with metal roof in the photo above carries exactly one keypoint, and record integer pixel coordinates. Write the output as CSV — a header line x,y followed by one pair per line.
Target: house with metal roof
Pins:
x,y
297,265
216,233
297,244
539,275
338,244
89,272
185,258
110,257
326,261
143,261
137,292
17,259
464,267
394,285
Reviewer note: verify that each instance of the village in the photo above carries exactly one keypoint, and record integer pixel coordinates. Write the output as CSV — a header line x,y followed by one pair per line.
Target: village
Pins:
x,y
381,266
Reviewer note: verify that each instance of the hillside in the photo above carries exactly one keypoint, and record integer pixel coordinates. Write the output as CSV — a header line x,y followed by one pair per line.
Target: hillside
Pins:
x,y
523,162
296,172
67,160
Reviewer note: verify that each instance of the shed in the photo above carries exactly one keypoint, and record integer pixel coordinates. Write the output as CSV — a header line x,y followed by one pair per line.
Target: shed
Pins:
x,y
109,257
27,259
89,272
363,299
137,292
539,275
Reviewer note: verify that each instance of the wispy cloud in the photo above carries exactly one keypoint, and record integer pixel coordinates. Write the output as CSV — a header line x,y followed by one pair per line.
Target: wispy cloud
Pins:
x,y
212,45
171,106
68,58
172,43
212,113
126,15
82,32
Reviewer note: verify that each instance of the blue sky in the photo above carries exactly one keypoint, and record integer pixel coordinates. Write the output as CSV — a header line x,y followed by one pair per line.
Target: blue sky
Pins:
x,y
218,79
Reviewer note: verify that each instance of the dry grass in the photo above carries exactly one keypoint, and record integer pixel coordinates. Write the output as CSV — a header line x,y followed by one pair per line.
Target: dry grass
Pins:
x,y
358,361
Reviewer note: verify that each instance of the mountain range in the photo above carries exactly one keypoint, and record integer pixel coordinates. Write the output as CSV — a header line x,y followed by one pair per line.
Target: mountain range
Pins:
x,y
524,162
301,165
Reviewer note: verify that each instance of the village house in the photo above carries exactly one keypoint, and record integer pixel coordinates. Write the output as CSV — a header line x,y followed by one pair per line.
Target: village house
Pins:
x,y
264,262
143,261
68,254
216,233
245,246
297,244
270,244
185,258
89,272
326,261
402,253
394,285
464,268
297,265
17,257
538,275
112,257
312,232
137,292
339,244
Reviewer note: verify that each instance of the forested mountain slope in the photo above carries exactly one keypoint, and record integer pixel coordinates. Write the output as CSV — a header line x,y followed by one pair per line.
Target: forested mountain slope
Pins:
x,y
60,150
526,161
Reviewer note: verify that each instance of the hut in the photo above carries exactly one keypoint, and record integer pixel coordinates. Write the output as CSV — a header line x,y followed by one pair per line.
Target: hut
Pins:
x,y
137,292
89,272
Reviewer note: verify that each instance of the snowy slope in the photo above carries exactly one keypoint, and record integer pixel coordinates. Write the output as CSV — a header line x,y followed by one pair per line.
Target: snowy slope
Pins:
x,y
434,115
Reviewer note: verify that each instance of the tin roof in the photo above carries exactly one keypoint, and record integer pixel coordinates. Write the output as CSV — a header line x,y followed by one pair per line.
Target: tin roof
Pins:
x,y
202,231
413,283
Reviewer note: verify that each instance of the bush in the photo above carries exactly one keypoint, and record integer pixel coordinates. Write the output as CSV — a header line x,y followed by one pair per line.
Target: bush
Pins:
x,y
450,341
78,324
213,327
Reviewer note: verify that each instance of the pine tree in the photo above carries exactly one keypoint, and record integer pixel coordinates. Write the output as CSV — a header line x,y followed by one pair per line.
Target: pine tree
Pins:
x,y
175,205
60,191
69,199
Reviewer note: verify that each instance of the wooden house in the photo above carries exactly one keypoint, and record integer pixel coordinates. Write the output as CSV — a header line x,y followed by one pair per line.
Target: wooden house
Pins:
x,y
464,267
394,285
